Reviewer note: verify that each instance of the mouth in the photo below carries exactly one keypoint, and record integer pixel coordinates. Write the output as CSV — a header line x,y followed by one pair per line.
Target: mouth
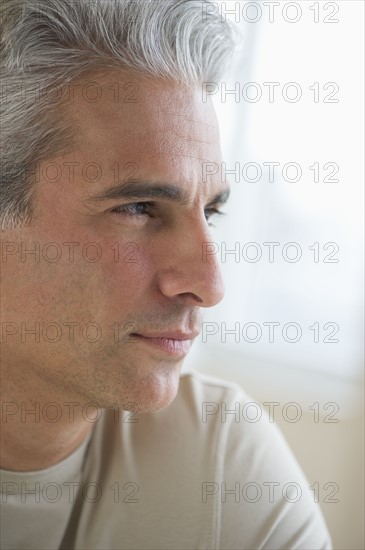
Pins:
x,y
175,344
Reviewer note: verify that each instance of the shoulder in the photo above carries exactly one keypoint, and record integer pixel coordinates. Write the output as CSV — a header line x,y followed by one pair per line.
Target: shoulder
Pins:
x,y
206,405
261,494
206,402
199,390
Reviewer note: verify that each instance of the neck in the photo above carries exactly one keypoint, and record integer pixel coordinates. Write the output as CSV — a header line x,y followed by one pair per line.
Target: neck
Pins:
x,y
40,428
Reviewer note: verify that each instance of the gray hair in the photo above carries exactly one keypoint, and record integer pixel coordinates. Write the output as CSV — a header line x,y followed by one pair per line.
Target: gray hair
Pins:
x,y
47,44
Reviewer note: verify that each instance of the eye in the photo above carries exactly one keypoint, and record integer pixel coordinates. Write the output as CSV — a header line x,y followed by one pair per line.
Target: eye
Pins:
x,y
143,210
134,209
209,212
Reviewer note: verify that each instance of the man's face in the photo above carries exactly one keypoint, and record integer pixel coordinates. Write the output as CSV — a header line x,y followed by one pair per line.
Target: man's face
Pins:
x,y
118,278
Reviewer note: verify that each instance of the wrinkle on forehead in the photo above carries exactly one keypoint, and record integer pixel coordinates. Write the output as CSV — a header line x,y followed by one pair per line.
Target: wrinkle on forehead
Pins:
x,y
169,133
153,101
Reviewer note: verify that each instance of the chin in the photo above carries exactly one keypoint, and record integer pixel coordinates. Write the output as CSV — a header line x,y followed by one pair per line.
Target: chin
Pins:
x,y
157,392
139,386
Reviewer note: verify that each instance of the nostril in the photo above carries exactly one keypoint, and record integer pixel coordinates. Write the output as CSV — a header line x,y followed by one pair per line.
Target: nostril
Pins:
x,y
195,297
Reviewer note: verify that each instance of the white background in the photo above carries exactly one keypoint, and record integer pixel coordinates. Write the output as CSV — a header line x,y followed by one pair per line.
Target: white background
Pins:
x,y
306,212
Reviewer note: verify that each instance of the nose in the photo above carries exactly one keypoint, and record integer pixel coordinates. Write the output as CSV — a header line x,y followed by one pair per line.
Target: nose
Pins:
x,y
190,273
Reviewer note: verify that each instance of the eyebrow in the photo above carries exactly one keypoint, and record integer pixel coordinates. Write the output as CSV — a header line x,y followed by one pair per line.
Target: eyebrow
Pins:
x,y
148,190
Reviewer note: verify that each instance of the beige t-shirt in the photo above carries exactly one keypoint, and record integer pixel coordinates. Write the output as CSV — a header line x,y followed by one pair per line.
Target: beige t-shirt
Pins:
x,y
207,472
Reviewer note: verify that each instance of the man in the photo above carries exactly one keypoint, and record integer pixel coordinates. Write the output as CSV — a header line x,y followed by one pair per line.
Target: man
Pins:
x,y
105,214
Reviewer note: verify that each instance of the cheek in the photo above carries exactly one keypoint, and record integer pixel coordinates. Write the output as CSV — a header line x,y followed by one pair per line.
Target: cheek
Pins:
x,y
96,278
126,271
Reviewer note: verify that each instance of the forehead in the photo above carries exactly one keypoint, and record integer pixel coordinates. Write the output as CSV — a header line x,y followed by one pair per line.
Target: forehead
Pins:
x,y
161,127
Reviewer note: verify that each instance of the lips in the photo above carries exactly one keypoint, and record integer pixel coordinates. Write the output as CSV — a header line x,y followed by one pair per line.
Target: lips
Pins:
x,y
171,335
173,343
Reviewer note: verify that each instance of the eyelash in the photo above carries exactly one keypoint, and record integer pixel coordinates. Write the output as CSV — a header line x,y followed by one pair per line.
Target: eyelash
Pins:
x,y
127,209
